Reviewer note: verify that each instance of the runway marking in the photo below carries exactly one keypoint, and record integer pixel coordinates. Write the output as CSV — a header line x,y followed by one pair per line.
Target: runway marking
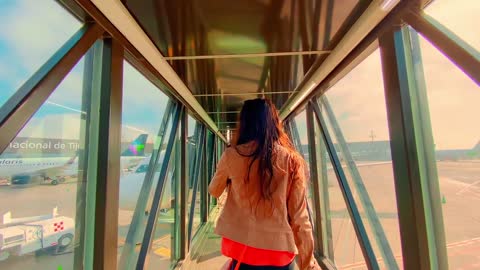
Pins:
x,y
399,257
162,251
467,188
464,242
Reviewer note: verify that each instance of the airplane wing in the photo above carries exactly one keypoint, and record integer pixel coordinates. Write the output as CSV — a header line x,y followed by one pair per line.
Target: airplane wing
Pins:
x,y
68,169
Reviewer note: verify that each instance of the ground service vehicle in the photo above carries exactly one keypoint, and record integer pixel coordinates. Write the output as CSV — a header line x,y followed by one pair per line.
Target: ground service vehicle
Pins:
x,y
53,234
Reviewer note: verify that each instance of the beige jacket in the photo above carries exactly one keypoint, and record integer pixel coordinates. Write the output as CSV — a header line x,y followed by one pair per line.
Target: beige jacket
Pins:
x,y
279,224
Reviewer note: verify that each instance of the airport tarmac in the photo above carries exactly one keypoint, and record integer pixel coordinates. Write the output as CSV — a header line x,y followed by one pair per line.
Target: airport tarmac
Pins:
x,y
460,193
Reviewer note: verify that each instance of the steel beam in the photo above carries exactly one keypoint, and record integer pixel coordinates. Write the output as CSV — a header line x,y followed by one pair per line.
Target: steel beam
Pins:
x,y
372,16
314,179
324,194
128,259
196,171
119,16
457,50
183,186
414,164
226,112
244,94
104,157
367,204
80,217
157,197
20,107
204,181
347,193
245,55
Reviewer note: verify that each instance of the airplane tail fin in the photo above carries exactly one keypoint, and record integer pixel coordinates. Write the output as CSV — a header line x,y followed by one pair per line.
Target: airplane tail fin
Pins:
x,y
476,147
72,159
137,147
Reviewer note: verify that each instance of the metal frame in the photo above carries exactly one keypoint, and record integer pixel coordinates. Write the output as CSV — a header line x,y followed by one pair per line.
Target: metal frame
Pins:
x,y
414,165
80,213
183,186
104,160
319,233
377,230
357,221
324,206
204,180
197,169
20,107
128,257
157,197
457,50
370,18
246,55
119,16
243,94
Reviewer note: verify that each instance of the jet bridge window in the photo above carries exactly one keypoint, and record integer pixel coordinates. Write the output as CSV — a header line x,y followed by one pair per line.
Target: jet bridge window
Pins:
x,y
142,168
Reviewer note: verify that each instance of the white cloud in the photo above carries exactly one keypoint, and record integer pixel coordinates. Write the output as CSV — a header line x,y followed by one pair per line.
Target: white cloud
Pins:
x,y
57,126
35,30
69,92
143,103
31,32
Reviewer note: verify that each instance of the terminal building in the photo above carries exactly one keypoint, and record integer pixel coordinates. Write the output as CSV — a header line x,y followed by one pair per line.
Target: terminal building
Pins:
x,y
114,114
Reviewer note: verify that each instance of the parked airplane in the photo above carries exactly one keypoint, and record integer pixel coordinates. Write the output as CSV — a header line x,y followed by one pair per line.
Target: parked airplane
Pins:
x,y
459,154
131,185
55,169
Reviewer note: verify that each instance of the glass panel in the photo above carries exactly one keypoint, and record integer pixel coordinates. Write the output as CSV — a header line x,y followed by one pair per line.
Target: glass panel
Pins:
x,y
458,17
454,110
160,256
300,140
42,199
144,108
194,130
299,130
340,233
46,23
363,144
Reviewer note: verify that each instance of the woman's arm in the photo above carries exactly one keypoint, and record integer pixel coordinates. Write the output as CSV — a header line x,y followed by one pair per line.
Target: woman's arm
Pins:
x,y
299,219
219,180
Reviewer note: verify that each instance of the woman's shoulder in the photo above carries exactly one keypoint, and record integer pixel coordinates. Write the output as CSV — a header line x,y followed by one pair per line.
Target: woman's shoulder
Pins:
x,y
285,152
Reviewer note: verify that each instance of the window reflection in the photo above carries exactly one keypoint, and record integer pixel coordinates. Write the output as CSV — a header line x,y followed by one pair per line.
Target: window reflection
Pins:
x,y
194,165
42,192
453,101
145,111
355,113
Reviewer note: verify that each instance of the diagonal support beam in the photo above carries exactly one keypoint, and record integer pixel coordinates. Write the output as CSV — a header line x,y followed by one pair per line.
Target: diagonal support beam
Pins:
x,y
372,16
157,197
121,18
347,193
16,112
457,50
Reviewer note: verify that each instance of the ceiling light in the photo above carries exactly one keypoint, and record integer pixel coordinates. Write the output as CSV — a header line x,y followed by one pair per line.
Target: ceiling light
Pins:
x,y
387,5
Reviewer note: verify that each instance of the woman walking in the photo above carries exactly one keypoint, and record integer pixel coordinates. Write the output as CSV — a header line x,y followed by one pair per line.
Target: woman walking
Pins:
x,y
265,221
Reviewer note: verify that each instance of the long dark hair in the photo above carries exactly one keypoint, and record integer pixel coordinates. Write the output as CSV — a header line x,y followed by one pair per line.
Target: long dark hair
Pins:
x,y
259,122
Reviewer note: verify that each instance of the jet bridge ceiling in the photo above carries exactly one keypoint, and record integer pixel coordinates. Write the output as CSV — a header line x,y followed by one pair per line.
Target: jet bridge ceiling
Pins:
x,y
229,51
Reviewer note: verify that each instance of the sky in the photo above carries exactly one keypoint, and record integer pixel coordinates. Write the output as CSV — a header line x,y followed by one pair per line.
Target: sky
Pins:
x,y
358,100
33,30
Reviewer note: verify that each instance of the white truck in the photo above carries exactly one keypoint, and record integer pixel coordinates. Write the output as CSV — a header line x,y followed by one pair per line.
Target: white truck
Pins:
x,y
25,235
